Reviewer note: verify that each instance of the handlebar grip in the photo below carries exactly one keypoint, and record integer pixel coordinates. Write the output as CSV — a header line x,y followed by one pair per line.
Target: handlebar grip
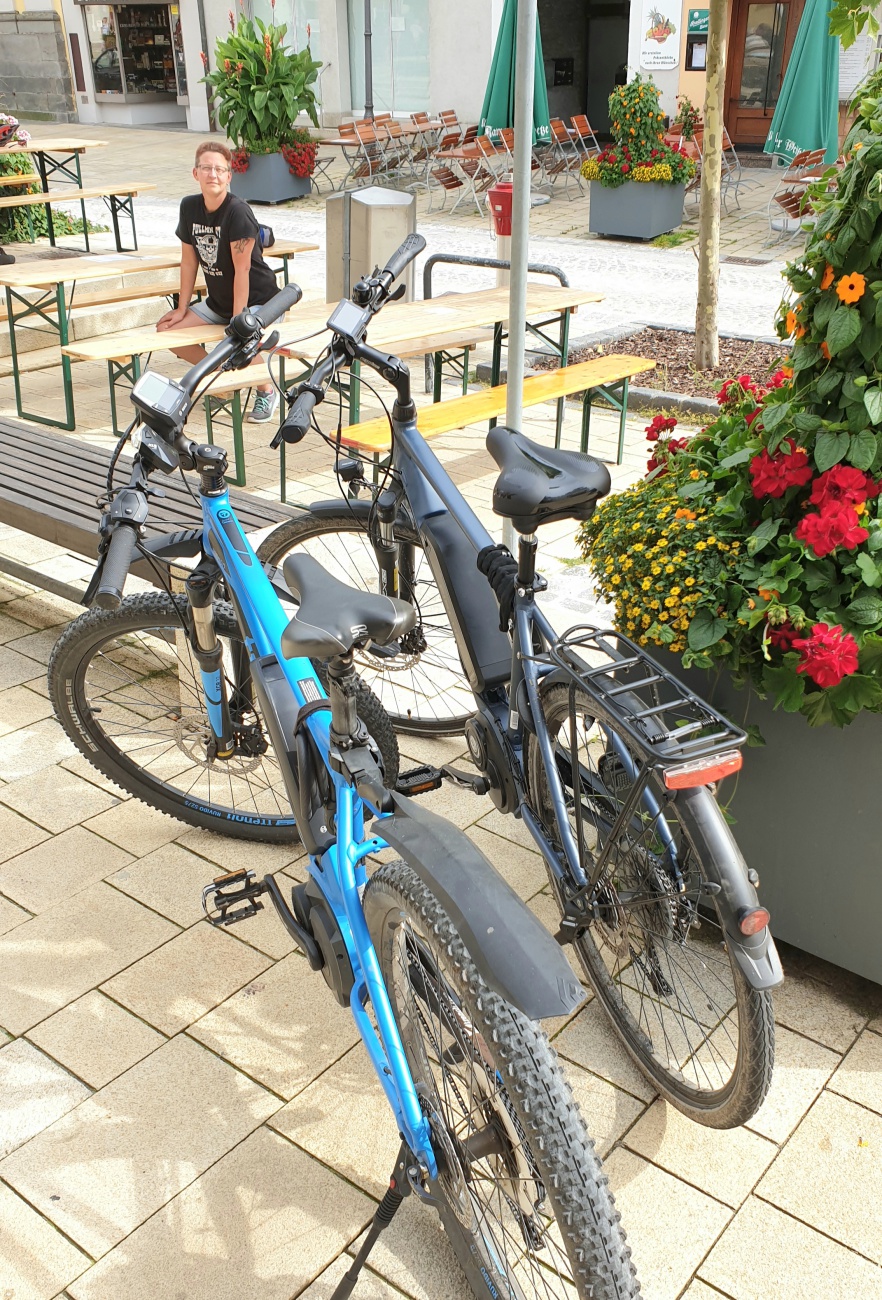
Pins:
x,y
403,256
296,423
277,306
117,563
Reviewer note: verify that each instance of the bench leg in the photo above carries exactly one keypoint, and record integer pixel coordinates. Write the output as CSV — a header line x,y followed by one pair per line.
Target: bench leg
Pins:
x,y
624,411
58,327
564,357
117,371
496,363
465,372
586,419
436,383
238,439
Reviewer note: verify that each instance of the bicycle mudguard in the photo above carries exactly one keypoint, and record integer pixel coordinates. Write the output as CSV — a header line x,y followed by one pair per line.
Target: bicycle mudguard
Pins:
x,y
725,866
514,953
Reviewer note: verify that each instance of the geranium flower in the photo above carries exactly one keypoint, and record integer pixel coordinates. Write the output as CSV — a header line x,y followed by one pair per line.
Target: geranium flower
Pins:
x,y
837,525
851,287
773,475
782,636
827,655
660,424
777,379
828,277
842,484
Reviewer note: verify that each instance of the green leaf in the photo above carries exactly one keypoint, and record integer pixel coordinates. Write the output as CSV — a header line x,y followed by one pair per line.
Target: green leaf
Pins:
x,y
829,381
866,611
826,306
705,630
754,736
830,449
773,414
767,532
862,449
738,457
695,489
844,327
856,692
787,687
819,709
873,403
869,571
870,655
806,422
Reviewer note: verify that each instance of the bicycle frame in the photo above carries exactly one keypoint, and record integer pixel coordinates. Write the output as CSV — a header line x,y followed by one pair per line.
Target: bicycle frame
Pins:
x,y
340,871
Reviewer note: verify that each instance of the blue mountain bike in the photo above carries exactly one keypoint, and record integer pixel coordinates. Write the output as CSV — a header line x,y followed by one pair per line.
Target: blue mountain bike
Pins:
x,y
216,705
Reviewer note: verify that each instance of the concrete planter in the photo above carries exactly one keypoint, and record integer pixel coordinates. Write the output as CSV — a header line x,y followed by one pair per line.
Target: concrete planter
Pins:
x,y
635,210
268,180
806,809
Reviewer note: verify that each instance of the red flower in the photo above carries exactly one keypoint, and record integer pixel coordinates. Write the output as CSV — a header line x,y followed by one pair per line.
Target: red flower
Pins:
x,y
838,525
653,153
754,413
773,475
828,654
782,636
626,167
777,379
843,484
660,424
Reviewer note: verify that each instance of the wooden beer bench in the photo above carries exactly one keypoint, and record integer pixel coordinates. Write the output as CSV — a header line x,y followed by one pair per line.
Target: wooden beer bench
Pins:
x,y
120,199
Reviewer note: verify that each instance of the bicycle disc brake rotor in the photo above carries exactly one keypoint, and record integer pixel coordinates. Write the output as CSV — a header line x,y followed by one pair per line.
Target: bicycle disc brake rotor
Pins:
x,y
193,738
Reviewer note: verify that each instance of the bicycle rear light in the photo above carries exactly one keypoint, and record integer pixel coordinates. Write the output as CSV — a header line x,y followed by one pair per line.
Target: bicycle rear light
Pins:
x,y
752,920
703,771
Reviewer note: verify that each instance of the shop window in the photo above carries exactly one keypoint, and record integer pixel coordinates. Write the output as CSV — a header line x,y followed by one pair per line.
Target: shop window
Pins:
x,y
132,49
763,58
400,62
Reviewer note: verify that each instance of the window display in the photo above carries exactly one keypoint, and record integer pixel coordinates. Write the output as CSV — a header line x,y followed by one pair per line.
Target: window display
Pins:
x,y
133,50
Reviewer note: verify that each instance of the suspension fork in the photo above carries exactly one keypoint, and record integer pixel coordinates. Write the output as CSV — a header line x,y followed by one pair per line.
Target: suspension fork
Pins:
x,y
209,655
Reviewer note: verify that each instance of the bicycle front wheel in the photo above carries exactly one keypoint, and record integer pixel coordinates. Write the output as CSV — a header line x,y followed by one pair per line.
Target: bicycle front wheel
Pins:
x,y
420,682
520,1190
125,686
653,945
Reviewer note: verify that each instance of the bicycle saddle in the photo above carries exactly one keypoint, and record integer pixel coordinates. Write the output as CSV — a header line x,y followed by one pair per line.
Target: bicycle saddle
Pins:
x,y
541,484
333,618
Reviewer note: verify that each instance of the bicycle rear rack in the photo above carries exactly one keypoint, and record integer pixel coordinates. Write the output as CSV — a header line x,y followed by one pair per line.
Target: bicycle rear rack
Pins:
x,y
664,721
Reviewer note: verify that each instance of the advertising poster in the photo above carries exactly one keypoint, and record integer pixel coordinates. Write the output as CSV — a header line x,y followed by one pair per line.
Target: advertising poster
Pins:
x,y
660,45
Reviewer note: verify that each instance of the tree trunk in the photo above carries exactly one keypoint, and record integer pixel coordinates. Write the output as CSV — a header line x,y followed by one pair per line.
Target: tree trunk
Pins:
x,y
707,349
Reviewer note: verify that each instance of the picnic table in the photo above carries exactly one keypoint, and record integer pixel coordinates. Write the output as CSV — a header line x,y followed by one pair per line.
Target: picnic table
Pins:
x,y
56,156
55,283
119,198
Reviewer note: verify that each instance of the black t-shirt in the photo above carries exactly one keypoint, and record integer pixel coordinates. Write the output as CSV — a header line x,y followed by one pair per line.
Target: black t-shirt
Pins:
x,y
210,234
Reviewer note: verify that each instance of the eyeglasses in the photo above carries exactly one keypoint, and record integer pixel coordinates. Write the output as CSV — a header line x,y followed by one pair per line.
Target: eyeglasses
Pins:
x,y
220,171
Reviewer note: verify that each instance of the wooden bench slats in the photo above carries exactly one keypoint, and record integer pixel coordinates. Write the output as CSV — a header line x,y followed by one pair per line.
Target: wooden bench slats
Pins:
x,y
109,297
60,196
457,412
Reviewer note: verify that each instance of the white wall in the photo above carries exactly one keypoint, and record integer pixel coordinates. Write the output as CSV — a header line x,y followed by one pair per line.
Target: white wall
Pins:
x,y
462,34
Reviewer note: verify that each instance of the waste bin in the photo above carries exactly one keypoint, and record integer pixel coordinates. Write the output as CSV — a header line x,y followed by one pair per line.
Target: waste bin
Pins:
x,y
363,228
499,201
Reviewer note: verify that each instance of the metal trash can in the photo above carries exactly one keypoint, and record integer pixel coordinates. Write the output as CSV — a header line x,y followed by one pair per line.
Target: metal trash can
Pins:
x,y
362,229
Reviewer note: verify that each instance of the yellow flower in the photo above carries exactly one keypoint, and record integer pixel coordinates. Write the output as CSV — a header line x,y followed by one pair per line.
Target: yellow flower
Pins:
x,y
675,591
670,602
656,569
669,568
689,582
693,474
638,546
616,578
712,541
690,527
646,584
701,546
653,604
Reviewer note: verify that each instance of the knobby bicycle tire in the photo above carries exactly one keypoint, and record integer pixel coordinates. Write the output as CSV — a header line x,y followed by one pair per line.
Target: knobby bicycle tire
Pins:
x,y
422,687
520,1191
655,954
124,687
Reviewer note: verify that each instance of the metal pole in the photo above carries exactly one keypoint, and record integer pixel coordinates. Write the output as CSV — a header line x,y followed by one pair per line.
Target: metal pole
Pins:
x,y
368,63
525,63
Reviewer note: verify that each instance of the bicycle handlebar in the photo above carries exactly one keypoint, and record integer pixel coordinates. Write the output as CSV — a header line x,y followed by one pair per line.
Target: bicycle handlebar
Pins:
x,y
241,330
115,568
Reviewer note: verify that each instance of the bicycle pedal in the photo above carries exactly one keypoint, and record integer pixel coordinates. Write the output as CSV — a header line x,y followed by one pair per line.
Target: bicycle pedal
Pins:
x,y
232,897
419,780
466,780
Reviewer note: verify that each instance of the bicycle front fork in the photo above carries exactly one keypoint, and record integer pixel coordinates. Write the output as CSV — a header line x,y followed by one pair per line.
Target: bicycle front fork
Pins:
x,y
209,655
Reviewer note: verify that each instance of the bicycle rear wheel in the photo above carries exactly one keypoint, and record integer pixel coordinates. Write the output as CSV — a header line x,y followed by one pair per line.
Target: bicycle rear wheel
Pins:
x,y
653,947
520,1190
420,683
126,688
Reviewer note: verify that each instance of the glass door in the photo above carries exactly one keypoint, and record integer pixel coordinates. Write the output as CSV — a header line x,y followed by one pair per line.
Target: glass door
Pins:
x,y
400,49
761,37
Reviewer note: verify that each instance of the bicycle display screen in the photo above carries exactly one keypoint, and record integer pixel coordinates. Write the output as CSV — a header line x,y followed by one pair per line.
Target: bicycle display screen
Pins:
x,y
349,320
163,403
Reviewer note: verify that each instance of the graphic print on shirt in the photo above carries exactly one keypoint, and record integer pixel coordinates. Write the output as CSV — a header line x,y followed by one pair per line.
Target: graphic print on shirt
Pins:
x,y
206,240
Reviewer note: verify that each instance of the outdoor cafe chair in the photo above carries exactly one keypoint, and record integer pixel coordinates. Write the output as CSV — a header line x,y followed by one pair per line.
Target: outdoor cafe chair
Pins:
x,y
397,151
359,170
506,137
584,137
450,123
442,180
372,152
563,159
789,203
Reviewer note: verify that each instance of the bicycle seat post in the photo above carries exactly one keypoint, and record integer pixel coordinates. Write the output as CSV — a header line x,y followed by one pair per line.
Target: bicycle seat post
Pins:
x,y
342,693
527,547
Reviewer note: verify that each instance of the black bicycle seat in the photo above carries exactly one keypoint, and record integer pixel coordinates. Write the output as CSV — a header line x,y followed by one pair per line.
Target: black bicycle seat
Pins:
x,y
333,618
541,484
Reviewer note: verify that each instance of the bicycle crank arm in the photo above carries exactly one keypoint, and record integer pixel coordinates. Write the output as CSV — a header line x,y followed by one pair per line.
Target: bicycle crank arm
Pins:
x,y
235,897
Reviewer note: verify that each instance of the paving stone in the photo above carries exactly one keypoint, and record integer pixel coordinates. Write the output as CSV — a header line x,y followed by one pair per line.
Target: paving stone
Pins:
x,y
608,1111
59,868
95,1038
35,1260
42,609
370,1287
20,706
257,1226
508,828
523,870
170,880
764,1252
460,807
177,983
16,833
701,1291
591,1042
859,1077
284,1029
34,1092
135,827
11,915
232,854
801,1070
655,1207
433,749
54,958
30,748
818,1012
55,799
36,645
103,1169
15,667
724,1163
320,1119
11,628
414,1254
830,1174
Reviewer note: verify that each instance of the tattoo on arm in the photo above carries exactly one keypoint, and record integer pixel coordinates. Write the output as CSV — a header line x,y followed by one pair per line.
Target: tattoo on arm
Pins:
x,y
240,245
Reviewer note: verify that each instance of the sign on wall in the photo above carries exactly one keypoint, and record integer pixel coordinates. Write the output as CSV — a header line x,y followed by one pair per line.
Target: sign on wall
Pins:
x,y
660,44
698,23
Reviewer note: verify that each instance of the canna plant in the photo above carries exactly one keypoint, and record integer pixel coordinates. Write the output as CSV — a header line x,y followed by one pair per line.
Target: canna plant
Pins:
x,y
260,86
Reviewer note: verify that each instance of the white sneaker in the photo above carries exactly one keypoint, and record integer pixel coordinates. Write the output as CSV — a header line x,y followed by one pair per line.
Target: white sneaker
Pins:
x,y
264,407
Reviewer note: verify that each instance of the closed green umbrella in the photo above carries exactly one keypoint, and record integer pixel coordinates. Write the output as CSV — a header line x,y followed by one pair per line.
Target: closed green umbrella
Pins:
x,y
498,110
807,113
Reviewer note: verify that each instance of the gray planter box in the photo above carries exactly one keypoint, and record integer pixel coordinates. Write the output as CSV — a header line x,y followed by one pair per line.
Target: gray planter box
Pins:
x,y
806,809
268,180
635,210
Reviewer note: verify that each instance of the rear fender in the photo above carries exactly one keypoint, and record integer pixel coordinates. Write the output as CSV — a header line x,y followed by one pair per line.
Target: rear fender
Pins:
x,y
514,953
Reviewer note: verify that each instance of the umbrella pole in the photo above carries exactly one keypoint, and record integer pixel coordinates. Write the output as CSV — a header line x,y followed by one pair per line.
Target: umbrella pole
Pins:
x,y
525,63
368,63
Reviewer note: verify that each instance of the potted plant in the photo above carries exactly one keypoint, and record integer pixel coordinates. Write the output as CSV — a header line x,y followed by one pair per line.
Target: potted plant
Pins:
x,y
259,87
688,118
638,157
753,553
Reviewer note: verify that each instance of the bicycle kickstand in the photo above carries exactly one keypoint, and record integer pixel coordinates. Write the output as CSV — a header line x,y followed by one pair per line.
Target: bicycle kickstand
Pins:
x,y
399,1187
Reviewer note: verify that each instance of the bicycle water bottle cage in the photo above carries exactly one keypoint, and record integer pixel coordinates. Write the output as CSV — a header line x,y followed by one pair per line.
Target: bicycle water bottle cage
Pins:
x,y
539,485
334,619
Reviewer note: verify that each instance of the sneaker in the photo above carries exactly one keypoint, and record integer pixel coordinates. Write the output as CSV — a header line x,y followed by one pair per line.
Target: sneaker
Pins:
x,y
264,407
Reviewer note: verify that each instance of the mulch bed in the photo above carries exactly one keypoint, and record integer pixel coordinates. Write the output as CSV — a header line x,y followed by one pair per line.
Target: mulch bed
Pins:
x,y
673,352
